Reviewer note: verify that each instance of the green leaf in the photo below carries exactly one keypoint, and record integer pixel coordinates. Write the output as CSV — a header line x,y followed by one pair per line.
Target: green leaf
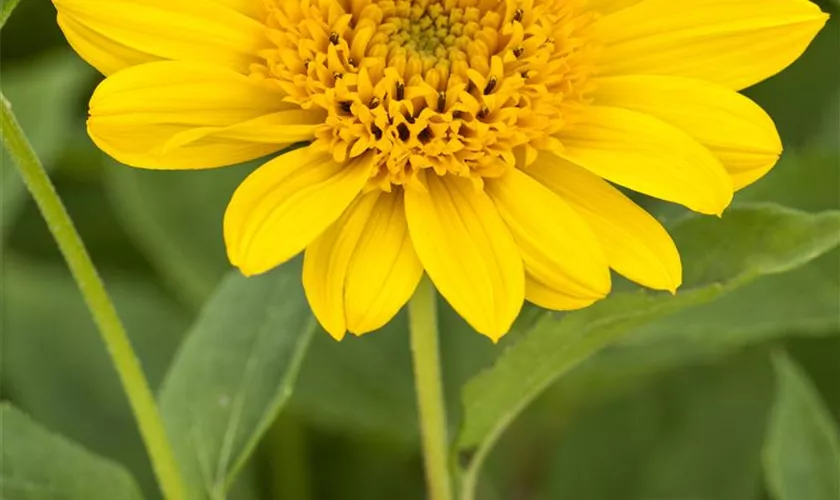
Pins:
x,y
6,9
175,218
818,356
44,93
342,388
665,438
234,373
802,451
54,366
36,464
752,314
719,255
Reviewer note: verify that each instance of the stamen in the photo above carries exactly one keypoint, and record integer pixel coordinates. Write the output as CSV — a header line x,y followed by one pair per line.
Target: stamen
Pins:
x,y
491,84
413,70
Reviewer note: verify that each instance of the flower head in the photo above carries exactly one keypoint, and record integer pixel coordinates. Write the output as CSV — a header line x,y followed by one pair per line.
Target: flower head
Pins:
x,y
475,140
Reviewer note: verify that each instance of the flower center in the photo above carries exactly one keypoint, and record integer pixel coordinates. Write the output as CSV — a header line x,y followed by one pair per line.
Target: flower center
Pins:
x,y
461,87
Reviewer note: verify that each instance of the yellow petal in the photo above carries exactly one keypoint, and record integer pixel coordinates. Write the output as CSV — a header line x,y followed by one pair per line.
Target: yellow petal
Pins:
x,y
549,298
647,155
634,243
250,8
610,6
558,248
285,204
103,53
733,43
384,270
115,34
180,115
363,269
735,129
468,252
325,265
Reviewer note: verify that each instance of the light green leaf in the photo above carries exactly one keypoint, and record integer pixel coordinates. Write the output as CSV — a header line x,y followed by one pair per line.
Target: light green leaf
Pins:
x,y
752,314
44,93
6,9
802,451
36,464
802,302
234,373
718,254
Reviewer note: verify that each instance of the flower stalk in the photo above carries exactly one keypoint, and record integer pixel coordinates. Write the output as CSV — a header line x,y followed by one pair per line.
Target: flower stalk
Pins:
x,y
422,313
104,313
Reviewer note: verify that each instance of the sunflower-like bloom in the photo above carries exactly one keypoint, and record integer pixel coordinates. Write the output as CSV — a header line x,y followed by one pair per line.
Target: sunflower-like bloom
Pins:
x,y
475,140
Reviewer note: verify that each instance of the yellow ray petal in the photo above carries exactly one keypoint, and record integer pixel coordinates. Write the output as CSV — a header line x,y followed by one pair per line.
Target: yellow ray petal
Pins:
x,y
735,129
384,270
250,8
647,155
285,204
634,243
363,269
558,248
468,252
549,298
104,54
325,265
114,34
733,43
610,6
180,115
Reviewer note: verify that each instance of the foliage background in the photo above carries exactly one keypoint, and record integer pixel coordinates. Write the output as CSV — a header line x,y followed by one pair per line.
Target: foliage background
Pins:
x,y
735,399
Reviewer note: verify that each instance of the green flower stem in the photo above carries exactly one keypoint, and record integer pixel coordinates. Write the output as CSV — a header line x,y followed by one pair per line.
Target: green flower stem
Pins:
x,y
422,313
113,333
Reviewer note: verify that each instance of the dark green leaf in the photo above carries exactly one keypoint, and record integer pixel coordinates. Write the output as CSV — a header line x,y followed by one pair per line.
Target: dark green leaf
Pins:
x,y
234,374
342,387
802,452
718,255
36,464
818,356
695,433
342,384
54,365
176,220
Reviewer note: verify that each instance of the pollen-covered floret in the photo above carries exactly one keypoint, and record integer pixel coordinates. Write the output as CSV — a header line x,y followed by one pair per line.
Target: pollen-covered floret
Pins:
x,y
458,86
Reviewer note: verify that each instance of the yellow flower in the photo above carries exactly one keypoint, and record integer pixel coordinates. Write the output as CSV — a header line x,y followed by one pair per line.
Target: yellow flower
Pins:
x,y
472,139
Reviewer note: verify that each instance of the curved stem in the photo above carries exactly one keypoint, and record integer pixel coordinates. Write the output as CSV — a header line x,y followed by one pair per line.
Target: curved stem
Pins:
x,y
422,313
113,333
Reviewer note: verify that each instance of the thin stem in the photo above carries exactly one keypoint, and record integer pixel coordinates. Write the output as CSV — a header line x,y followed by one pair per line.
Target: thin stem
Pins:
x,y
128,367
422,313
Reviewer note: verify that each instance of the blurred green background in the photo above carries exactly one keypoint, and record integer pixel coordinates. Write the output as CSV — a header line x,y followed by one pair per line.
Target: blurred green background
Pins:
x,y
682,414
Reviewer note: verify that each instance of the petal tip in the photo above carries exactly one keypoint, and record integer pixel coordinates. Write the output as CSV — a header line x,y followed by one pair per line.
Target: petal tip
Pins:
x,y
337,335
